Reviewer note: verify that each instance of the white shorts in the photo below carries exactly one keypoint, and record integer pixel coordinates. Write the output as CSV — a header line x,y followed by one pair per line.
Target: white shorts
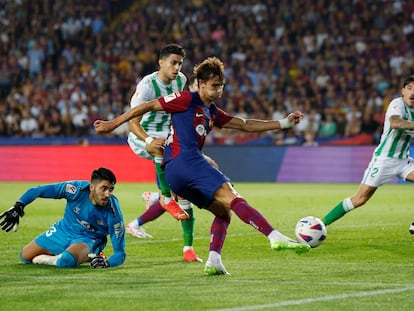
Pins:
x,y
138,147
383,170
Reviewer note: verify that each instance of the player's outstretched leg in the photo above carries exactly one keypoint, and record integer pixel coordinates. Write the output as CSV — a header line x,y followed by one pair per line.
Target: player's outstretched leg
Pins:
x,y
280,242
135,227
251,216
150,198
136,230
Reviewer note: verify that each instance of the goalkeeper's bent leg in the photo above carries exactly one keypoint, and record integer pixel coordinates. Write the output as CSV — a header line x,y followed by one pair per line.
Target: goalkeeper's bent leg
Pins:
x,y
67,260
22,259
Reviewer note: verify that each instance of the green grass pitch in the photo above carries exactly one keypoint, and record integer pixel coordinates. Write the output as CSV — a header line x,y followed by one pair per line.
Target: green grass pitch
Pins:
x,y
366,263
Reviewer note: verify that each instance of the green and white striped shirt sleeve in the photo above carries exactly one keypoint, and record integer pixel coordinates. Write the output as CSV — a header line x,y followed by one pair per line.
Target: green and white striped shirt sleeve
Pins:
x,y
395,143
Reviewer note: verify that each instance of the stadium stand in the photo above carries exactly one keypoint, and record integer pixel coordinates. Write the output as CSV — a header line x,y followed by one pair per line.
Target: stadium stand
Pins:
x,y
64,64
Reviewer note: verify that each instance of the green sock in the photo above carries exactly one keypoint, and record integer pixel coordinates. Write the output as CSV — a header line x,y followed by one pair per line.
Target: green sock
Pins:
x,y
165,190
334,214
188,228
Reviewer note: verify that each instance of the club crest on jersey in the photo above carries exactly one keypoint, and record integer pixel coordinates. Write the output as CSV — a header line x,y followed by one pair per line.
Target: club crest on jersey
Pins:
x,y
172,96
201,130
70,189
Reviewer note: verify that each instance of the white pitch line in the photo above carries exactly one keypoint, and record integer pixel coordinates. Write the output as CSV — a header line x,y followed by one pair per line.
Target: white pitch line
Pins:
x,y
326,298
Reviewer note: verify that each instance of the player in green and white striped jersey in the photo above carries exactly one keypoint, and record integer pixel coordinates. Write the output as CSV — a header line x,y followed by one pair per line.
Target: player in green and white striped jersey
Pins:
x,y
391,158
147,136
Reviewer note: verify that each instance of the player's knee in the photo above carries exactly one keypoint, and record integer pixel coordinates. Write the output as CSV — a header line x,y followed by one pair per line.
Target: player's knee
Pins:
x,y
22,259
226,215
219,210
67,260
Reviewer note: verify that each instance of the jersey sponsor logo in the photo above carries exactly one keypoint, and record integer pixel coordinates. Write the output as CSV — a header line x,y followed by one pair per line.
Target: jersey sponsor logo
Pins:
x,y
137,94
171,97
87,225
118,230
70,189
198,115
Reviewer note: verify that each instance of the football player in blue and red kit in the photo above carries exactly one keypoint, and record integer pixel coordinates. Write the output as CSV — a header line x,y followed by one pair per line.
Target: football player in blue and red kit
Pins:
x,y
190,175
91,214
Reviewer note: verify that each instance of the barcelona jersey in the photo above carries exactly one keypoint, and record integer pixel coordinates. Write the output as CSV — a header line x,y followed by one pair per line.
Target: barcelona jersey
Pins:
x,y
186,170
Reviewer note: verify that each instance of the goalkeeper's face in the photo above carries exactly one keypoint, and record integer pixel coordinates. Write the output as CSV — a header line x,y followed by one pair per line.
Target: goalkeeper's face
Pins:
x,y
101,191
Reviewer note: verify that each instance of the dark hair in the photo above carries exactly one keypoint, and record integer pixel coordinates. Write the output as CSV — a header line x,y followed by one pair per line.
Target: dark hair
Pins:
x,y
209,68
103,174
192,79
171,48
407,81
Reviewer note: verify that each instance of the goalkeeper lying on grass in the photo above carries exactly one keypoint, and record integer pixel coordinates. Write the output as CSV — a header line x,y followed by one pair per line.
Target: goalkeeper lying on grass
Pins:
x,y
91,214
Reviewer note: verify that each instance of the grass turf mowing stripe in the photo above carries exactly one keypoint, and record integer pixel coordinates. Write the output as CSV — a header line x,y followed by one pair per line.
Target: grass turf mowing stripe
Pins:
x,y
317,299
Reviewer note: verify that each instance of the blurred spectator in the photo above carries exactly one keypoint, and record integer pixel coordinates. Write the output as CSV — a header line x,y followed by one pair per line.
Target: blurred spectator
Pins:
x,y
80,121
327,127
42,125
5,79
28,125
55,126
310,139
36,56
341,124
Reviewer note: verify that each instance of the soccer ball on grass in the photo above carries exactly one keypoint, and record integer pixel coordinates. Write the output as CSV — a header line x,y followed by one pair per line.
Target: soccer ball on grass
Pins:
x,y
310,230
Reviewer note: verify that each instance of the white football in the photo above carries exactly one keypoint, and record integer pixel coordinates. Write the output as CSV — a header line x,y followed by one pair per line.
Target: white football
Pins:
x,y
311,230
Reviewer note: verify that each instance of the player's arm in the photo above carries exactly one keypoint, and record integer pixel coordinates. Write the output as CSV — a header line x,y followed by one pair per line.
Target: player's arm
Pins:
x,y
398,123
118,257
137,111
257,125
116,231
153,145
118,240
10,218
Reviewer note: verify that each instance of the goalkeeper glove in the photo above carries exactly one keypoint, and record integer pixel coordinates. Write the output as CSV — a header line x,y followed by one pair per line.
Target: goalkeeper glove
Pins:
x,y
10,218
98,261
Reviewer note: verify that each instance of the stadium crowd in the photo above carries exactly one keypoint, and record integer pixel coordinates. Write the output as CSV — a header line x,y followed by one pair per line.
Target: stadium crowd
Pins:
x,y
63,64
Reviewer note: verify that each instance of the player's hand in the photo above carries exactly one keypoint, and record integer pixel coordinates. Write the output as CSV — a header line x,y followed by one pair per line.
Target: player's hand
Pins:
x,y
156,147
295,117
103,127
98,261
10,218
